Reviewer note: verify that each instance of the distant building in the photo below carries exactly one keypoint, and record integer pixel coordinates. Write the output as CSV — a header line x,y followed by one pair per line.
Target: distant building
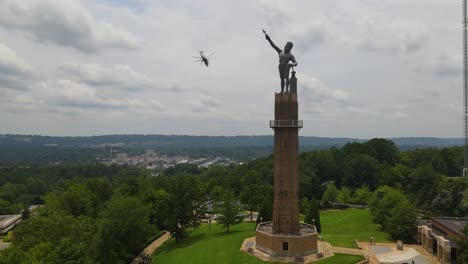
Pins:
x,y
436,237
121,157
7,222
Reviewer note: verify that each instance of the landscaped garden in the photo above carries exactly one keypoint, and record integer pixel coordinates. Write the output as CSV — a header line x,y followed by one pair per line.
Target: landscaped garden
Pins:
x,y
214,245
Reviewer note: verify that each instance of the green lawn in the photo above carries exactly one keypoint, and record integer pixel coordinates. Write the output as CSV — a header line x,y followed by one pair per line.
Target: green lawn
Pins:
x,y
341,228
209,246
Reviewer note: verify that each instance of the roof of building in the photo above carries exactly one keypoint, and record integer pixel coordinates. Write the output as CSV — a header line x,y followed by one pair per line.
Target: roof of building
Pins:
x,y
455,224
6,220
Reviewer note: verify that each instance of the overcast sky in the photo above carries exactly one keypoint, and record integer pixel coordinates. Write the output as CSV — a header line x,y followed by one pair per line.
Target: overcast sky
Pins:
x,y
367,68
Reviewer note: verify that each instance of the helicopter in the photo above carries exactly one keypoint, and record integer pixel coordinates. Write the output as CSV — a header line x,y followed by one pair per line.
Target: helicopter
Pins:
x,y
203,59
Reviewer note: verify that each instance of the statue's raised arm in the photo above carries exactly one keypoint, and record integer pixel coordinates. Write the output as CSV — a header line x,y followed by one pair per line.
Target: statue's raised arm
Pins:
x,y
271,42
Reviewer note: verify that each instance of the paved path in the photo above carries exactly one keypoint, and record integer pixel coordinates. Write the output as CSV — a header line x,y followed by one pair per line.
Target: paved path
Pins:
x,y
427,257
153,246
351,251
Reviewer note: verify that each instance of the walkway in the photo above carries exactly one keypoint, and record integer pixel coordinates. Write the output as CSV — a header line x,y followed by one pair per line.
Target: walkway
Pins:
x,y
425,256
350,251
153,246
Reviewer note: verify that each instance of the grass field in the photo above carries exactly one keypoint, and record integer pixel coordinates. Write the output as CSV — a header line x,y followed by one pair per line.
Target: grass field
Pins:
x,y
341,228
209,246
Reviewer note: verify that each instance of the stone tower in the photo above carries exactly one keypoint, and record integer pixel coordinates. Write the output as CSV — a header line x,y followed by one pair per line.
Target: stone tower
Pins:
x,y
285,236
286,194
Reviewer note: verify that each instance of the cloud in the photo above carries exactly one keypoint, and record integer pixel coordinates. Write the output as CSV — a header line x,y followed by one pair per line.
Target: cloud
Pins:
x,y
135,5
397,115
309,37
317,92
14,71
205,104
383,34
115,76
358,25
447,65
66,93
321,100
65,23
68,96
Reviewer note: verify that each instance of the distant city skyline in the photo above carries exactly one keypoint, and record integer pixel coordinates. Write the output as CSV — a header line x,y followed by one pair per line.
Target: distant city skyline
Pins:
x,y
367,68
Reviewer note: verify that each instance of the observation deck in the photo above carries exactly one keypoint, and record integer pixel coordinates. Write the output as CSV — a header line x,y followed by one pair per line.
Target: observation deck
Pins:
x,y
286,123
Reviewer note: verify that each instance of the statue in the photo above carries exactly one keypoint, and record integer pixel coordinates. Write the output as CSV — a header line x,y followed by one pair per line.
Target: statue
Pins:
x,y
284,66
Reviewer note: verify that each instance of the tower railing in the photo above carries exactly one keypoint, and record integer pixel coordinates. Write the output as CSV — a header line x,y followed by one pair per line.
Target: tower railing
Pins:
x,y
286,123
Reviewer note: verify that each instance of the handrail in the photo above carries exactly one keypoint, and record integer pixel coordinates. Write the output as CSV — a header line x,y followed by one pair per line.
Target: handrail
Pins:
x,y
286,123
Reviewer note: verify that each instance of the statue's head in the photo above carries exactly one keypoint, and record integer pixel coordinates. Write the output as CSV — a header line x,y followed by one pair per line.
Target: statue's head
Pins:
x,y
288,46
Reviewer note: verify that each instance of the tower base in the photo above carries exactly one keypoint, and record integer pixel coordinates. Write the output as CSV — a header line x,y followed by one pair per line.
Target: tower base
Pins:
x,y
286,245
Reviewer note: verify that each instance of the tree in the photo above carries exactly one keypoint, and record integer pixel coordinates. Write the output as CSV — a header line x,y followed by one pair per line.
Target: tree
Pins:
x,y
187,206
313,215
183,169
124,230
25,214
384,150
11,255
464,201
4,207
362,195
393,176
423,185
381,203
462,255
101,188
361,170
75,200
158,202
449,200
253,191
309,184
303,205
330,195
230,211
402,220
52,237
344,195
217,193
265,213
42,253
391,209
130,187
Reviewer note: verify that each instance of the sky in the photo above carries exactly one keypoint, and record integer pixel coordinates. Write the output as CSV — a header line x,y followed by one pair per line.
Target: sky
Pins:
x,y
367,68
